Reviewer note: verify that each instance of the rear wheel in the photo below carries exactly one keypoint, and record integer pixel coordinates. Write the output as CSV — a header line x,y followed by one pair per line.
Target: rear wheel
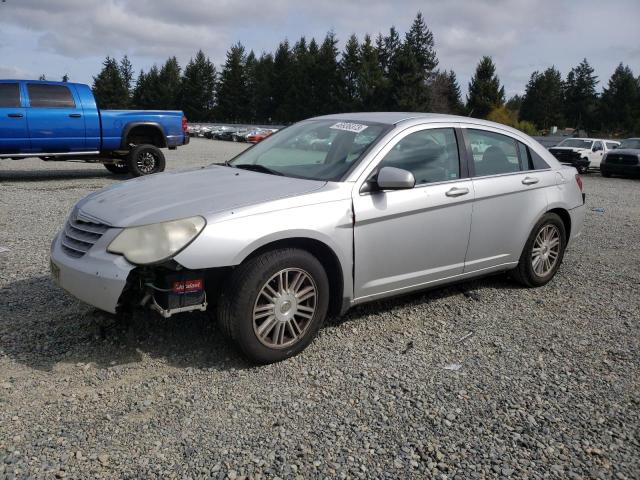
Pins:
x,y
119,167
543,252
145,160
274,304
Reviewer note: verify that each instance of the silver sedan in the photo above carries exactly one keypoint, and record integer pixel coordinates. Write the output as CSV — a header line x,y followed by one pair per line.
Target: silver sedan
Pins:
x,y
328,213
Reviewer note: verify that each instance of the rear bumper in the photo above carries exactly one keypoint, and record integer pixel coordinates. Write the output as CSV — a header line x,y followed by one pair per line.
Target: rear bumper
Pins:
x,y
97,278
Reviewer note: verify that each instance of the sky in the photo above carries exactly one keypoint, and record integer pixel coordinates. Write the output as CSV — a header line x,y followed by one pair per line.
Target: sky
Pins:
x,y
54,37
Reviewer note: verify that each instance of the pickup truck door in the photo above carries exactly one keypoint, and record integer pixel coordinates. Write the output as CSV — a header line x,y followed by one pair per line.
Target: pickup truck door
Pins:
x,y
14,136
55,118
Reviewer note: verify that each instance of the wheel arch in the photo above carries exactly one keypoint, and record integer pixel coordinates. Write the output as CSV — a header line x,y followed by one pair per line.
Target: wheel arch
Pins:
x,y
566,220
151,132
325,255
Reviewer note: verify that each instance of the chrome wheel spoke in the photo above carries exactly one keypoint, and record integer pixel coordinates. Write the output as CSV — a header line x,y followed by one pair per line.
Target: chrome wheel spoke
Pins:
x,y
284,308
546,250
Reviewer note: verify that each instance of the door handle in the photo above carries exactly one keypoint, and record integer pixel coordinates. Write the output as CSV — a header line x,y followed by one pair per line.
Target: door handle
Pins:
x,y
15,115
456,192
529,180
75,115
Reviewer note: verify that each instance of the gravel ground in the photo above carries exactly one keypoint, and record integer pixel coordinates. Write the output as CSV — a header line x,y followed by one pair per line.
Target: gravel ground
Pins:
x,y
478,380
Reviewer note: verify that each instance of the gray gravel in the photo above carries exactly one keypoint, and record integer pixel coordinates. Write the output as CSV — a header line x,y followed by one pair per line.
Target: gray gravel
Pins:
x,y
483,379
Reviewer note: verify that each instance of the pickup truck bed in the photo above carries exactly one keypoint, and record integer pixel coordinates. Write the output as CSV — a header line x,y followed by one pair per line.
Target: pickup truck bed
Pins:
x,y
61,121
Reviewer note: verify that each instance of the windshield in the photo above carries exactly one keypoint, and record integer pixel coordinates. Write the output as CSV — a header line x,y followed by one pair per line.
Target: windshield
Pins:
x,y
314,149
576,143
633,143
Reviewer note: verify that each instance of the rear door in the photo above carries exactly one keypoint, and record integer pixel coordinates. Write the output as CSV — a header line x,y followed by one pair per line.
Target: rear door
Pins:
x,y
509,197
55,118
14,136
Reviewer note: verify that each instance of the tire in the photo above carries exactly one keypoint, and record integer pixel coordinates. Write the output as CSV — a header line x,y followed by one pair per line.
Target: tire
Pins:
x,y
243,307
605,174
582,169
531,275
119,167
145,160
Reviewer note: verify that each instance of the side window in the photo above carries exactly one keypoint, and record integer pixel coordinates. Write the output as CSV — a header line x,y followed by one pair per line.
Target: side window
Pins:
x,y
493,153
431,155
50,96
611,145
9,95
597,146
525,157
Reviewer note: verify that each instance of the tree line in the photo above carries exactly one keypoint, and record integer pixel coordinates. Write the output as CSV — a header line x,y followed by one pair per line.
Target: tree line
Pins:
x,y
388,73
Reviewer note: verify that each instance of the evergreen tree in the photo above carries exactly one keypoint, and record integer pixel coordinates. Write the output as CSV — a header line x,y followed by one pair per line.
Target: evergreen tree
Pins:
x,y
233,96
419,40
198,91
485,92
282,66
330,81
109,88
370,77
543,99
514,103
250,64
580,96
126,71
65,77
445,94
263,80
350,68
619,103
169,85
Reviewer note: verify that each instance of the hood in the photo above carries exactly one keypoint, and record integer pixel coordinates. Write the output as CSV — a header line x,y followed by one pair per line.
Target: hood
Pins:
x,y
568,149
173,195
624,151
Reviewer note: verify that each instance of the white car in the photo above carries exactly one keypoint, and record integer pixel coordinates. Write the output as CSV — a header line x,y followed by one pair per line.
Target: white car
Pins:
x,y
583,153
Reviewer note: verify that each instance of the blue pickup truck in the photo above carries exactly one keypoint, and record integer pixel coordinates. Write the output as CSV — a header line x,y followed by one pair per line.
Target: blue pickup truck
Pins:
x,y
61,121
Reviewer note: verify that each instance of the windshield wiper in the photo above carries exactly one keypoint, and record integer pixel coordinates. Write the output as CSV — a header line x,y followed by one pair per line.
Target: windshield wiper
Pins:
x,y
257,168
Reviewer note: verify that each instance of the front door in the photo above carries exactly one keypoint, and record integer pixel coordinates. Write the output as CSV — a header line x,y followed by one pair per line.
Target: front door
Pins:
x,y
14,136
405,239
55,118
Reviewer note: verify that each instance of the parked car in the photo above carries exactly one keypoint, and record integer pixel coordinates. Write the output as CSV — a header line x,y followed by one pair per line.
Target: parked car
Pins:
x,y
225,133
259,135
61,121
624,160
283,235
582,153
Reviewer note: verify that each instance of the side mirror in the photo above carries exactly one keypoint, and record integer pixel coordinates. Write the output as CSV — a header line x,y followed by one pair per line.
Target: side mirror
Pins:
x,y
392,178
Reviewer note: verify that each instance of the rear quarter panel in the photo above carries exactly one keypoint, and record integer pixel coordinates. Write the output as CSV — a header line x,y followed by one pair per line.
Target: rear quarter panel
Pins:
x,y
115,122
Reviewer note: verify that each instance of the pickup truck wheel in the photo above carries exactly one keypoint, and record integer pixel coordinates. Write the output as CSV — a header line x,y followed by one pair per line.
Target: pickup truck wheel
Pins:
x,y
543,252
145,160
274,304
119,167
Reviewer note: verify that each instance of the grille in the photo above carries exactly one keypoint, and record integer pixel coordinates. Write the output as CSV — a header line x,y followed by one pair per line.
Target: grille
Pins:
x,y
621,159
79,236
565,155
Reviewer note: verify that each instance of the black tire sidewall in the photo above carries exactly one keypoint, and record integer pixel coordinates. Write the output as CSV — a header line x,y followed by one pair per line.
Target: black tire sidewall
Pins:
x,y
253,281
526,268
140,149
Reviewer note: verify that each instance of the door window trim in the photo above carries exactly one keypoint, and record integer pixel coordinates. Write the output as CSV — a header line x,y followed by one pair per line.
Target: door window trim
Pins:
x,y
373,165
68,87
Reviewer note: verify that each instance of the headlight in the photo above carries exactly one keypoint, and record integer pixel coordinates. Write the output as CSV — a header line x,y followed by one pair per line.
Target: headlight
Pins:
x,y
156,242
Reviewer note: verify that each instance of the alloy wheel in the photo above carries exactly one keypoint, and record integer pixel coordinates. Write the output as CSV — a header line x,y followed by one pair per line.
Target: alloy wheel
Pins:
x,y
546,250
146,162
284,308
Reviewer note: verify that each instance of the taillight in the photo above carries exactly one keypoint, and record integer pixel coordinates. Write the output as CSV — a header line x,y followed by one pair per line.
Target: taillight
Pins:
x,y
579,182
185,124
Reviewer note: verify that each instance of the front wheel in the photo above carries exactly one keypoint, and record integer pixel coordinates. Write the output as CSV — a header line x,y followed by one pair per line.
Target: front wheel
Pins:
x,y
145,160
274,304
605,174
582,169
543,252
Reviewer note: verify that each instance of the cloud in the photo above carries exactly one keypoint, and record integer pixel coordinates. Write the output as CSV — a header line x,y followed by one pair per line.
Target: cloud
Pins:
x,y
521,35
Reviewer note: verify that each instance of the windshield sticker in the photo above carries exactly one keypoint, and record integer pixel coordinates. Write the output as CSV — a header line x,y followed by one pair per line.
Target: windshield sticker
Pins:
x,y
349,127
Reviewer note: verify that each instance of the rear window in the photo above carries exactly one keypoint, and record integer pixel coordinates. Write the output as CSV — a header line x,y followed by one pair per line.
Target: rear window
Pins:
x,y
9,95
50,96
529,159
